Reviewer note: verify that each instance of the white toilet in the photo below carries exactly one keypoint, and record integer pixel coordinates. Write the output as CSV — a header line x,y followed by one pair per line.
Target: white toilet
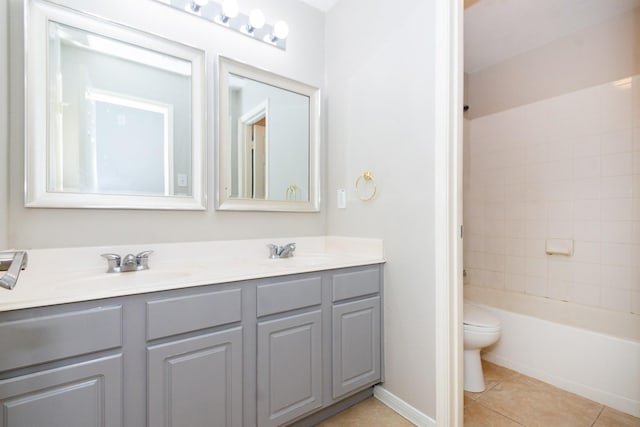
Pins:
x,y
481,329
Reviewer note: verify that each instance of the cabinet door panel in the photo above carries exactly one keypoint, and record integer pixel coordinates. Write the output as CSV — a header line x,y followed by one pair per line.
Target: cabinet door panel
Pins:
x,y
289,368
356,345
85,394
196,382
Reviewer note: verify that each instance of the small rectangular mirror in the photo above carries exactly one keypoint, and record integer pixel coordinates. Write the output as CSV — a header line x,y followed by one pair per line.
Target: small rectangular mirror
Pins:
x,y
268,141
115,117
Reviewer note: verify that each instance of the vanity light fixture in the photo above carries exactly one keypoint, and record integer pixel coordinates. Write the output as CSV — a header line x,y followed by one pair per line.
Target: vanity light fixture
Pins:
x,y
195,6
256,21
280,32
230,10
227,13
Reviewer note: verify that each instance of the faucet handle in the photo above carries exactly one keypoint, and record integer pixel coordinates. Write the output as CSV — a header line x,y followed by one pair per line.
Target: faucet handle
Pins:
x,y
287,250
273,250
113,262
142,259
18,262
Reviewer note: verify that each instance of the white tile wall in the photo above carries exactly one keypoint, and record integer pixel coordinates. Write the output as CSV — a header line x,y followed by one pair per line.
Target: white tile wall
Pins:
x,y
566,167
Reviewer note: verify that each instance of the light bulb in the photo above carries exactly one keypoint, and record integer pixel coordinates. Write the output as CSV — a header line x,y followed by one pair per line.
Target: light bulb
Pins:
x,y
256,19
230,8
281,30
195,5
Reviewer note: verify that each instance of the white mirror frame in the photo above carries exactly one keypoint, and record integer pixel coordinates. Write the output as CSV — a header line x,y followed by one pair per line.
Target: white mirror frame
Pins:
x,y
37,16
226,67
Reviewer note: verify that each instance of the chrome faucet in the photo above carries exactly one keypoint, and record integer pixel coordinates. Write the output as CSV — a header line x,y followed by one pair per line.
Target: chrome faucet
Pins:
x,y
131,262
285,251
12,263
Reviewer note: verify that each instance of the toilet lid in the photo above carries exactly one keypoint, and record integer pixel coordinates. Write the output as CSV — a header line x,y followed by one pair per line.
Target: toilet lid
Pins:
x,y
475,316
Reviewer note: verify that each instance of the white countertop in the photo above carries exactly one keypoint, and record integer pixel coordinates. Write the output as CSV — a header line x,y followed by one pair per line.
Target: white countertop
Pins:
x,y
58,276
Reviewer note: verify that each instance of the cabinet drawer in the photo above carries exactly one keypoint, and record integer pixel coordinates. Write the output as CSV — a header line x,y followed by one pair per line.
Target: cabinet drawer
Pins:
x,y
79,395
177,315
43,339
355,284
284,296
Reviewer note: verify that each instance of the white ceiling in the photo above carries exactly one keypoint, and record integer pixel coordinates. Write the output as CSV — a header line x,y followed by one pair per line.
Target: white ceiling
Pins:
x,y
323,5
496,30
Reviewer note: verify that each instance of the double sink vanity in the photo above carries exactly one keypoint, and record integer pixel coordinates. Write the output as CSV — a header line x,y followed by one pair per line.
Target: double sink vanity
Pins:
x,y
213,334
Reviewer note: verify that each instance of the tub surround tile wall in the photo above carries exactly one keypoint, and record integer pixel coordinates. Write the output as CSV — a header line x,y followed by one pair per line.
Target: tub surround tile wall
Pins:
x,y
567,168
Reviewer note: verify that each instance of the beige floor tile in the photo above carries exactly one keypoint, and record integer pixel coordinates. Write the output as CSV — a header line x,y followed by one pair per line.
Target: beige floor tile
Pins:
x,y
476,415
369,413
612,418
534,404
493,374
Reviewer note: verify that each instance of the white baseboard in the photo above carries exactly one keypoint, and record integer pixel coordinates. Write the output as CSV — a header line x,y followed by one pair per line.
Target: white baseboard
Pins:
x,y
403,408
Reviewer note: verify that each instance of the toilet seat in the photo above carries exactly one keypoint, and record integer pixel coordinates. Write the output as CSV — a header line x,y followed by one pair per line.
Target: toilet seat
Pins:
x,y
481,329
475,318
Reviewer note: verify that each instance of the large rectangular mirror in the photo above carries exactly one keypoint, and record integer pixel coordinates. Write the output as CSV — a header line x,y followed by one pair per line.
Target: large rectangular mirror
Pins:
x,y
115,117
268,141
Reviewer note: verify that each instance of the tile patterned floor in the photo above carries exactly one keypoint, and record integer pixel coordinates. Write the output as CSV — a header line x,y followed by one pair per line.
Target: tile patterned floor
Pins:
x,y
368,413
510,400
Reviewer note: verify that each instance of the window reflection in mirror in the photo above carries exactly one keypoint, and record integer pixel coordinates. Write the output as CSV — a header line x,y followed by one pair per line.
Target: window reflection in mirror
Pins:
x,y
114,116
120,117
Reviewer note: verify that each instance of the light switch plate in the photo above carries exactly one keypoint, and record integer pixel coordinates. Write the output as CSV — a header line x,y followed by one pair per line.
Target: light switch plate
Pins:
x,y
342,198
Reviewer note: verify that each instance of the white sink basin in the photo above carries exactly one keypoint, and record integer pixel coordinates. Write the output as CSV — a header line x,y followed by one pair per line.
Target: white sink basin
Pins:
x,y
130,278
300,260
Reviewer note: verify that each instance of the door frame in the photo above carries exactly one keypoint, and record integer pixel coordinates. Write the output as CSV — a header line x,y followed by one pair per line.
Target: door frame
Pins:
x,y
448,212
245,157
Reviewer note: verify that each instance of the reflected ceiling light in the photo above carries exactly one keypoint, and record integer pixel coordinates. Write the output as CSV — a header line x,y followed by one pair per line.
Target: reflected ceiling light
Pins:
x,y
256,21
196,5
280,32
230,10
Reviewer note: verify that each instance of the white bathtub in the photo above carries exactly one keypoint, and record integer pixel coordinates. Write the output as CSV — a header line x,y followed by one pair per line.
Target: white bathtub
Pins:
x,y
567,345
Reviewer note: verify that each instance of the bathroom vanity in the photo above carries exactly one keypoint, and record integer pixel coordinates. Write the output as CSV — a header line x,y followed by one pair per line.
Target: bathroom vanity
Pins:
x,y
295,339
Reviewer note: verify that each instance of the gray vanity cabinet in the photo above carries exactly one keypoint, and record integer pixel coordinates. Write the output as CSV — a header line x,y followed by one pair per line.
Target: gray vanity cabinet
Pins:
x,y
77,395
289,350
356,345
356,336
289,368
265,352
194,359
196,382
61,367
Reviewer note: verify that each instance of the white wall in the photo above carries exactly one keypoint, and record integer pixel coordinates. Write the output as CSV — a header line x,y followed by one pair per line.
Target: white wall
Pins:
x,y
598,54
380,78
303,61
4,132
